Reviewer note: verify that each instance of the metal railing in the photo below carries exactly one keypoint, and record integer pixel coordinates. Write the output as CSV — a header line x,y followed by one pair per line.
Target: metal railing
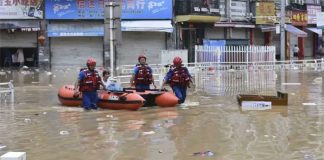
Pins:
x,y
7,91
224,77
235,54
316,64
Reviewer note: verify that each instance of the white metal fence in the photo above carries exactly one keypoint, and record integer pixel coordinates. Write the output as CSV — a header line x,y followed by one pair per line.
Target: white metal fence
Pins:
x,y
7,92
235,54
231,77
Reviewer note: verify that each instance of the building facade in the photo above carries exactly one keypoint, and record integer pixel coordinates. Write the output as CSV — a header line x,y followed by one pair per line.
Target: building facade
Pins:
x,y
77,30
20,27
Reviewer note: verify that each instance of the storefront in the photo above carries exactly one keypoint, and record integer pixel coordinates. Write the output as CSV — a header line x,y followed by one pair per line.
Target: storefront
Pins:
x,y
146,29
314,41
232,28
265,20
147,37
195,23
297,35
77,41
234,33
75,32
19,30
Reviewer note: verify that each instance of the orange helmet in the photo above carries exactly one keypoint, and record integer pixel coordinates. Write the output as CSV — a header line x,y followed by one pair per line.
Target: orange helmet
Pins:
x,y
177,61
141,56
91,62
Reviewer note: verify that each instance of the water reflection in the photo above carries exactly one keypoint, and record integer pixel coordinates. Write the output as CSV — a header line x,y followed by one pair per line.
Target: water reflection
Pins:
x,y
224,83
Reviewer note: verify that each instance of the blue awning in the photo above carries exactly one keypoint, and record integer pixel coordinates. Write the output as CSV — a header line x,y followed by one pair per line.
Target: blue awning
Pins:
x,y
76,29
267,28
317,31
147,26
296,31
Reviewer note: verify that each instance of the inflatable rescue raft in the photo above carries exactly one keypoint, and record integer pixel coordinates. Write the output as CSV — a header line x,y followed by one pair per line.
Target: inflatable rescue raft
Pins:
x,y
109,100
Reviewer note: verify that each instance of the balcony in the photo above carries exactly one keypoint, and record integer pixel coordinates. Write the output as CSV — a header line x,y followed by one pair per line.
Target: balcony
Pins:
x,y
197,11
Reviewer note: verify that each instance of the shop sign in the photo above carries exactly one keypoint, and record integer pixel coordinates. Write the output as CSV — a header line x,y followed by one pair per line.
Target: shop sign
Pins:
x,y
288,16
205,7
75,30
147,9
205,10
320,20
21,9
311,13
94,9
238,9
299,18
30,29
265,13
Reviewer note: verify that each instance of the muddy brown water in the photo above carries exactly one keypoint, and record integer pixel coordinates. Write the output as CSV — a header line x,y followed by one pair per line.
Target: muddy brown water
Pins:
x,y
210,120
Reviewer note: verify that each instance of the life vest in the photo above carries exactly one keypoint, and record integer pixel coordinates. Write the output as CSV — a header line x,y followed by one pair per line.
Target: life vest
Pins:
x,y
180,76
91,82
144,75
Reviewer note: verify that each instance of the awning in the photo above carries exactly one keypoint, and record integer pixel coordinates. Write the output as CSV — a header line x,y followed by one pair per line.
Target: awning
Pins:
x,y
235,25
268,28
147,26
317,31
296,31
32,25
197,18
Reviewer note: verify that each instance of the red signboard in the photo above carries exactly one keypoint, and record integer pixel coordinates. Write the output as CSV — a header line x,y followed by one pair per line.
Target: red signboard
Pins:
x,y
299,18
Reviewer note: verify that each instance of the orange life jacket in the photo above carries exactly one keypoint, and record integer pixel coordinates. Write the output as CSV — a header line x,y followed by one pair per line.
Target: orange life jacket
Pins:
x,y
180,76
91,82
144,75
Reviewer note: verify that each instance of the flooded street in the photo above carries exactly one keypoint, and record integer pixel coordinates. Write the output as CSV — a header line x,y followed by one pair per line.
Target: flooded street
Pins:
x,y
210,120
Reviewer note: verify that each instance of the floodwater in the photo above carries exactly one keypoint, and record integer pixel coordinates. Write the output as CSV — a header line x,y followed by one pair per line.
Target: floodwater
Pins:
x,y
210,120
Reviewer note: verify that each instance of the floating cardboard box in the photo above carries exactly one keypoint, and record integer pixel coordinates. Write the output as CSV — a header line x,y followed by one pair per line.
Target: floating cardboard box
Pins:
x,y
280,99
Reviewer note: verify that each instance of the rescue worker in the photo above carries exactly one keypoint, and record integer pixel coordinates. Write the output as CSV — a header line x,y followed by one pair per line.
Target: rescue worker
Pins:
x,y
88,83
179,78
142,76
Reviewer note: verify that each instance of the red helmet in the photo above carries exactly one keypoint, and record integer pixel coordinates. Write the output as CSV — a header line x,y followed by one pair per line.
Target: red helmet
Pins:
x,y
91,62
177,61
141,56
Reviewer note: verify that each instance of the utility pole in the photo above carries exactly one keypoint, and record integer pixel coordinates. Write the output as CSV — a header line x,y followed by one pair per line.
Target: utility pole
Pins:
x,y
229,18
282,29
111,25
111,38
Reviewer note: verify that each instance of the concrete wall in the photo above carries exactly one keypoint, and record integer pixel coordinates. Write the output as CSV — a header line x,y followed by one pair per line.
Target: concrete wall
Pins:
x,y
136,43
74,51
18,39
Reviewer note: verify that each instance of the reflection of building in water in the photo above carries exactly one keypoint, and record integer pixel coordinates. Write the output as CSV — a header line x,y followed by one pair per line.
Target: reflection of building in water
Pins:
x,y
232,83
